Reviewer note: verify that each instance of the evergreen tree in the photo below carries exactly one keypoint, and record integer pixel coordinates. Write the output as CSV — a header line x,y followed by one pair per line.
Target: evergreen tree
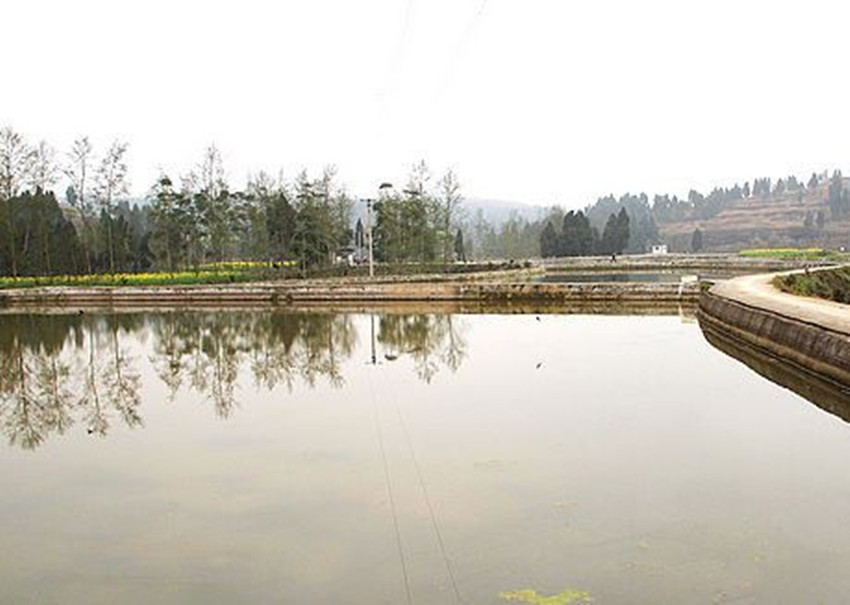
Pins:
x,y
610,236
623,231
838,198
460,252
696,240
549,244
813,182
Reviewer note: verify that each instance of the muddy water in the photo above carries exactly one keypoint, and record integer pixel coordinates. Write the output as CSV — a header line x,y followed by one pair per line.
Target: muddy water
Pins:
x,y
263,457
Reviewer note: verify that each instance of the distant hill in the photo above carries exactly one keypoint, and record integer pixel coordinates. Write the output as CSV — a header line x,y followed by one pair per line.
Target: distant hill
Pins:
x,y
497,212
789,219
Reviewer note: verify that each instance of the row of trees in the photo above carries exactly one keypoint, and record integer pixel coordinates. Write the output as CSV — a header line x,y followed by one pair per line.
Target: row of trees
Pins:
x,y
38,236
579,238
198,218
203,221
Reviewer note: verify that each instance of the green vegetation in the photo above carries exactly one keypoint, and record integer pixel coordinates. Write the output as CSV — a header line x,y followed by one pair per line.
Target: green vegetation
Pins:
x,y
832,284
532,597
786,253
420,223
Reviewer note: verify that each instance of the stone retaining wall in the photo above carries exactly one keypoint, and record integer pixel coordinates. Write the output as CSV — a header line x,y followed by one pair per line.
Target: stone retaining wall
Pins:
x,y
346,293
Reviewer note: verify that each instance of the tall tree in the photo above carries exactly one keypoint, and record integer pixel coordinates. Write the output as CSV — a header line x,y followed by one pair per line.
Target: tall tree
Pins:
x,y
450,200
696,240
549,245
615,237
77,171
460,251
44,174
111,182
16,160
165,214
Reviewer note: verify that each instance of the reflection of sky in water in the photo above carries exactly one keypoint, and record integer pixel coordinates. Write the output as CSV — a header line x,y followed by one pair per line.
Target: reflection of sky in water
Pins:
x,y
636,462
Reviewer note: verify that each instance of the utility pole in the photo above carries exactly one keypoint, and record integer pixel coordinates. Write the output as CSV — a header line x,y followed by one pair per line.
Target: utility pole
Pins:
x,y
369,236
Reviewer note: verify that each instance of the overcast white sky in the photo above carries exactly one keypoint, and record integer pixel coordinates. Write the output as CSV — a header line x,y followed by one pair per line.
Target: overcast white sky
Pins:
x,y
536,101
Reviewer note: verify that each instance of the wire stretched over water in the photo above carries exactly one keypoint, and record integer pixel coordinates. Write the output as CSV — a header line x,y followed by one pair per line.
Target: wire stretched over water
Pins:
x,y
389,486
434,523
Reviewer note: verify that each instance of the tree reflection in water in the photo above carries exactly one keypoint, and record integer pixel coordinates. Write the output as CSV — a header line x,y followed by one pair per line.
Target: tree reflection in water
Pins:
x,y
57,371
210,348
428,339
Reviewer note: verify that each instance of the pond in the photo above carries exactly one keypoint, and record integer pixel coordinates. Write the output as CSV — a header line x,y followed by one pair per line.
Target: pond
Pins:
x,y
610,277
256,457
662,277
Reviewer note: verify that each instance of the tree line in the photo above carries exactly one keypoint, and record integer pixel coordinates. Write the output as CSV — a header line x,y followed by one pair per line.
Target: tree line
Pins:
x,y
578,237
197,217
579,231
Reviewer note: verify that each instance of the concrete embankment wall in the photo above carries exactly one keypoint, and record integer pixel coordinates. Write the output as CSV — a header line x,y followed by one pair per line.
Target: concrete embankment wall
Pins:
x,y
775,326
293,295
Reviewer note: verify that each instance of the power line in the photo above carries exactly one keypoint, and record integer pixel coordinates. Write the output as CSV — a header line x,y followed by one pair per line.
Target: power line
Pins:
x,y
459,48
427,498
389,486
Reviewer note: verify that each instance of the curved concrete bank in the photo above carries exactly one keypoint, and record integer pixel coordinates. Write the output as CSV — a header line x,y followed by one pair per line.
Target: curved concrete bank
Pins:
x,y
811,334
330,293
826,394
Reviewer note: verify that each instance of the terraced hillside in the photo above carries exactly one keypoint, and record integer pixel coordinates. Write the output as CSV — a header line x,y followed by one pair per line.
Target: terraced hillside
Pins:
x,y
775,221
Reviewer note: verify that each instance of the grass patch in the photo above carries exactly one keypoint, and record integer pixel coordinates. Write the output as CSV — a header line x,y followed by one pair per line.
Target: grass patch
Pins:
x,y
813,254
786,253
833,284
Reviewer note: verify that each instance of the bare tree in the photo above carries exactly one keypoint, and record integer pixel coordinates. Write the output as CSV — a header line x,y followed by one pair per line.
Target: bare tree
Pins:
x,y
211,173
111,182
450,197
77,169
419,177
45,170
16,161
43,175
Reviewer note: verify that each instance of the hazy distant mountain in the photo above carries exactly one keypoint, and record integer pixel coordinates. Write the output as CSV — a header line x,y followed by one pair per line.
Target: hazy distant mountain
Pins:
x,y
498,211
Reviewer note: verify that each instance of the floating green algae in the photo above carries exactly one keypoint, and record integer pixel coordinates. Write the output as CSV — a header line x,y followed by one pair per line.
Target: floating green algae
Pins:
x,y
532,597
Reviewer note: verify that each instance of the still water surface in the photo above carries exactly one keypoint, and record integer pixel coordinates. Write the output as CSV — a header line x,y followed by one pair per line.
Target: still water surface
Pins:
x,y
263,457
